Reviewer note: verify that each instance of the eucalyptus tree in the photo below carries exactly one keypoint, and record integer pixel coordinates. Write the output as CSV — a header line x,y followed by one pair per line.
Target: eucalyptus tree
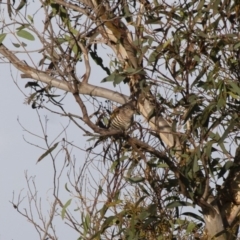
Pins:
x,y
174,173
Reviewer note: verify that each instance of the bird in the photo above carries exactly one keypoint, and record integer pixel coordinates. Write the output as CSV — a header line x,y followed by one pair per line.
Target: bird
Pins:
x,y
122,117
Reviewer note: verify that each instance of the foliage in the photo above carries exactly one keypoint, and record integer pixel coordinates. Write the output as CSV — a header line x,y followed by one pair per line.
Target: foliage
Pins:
x,y
181,63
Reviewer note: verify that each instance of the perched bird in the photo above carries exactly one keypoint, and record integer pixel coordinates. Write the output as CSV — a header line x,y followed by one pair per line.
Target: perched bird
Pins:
x,y
122,117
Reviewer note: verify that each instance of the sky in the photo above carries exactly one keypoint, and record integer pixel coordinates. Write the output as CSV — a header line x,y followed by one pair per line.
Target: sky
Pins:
x,y
18,122
21,145
17,156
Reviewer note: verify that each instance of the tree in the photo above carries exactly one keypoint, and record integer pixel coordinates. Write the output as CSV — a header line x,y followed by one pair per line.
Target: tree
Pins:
x,y
180,62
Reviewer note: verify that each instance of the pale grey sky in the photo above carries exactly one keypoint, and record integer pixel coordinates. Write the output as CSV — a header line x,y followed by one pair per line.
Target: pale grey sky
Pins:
x,y
17,156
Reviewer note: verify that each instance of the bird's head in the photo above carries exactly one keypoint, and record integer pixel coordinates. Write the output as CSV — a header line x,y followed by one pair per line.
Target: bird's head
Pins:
x,y
128,109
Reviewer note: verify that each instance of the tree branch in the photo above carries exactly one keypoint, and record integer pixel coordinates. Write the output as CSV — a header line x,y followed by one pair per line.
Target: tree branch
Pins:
x,y
41,76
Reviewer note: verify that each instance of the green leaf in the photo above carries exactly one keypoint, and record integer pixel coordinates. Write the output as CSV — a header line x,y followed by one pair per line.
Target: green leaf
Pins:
x,y
201,33
2,36
76,49
17,45
140,200
110,78
118,79
167,43
200,5
55,8
99,61
195,165
135,179
115,77
236,46
225,168
100,189
152,209
114,165
9,8
153,57
224,150
66,187
25,34
30,18
65,207
234,87
200,75
153,20
190,227
143,215
178,204
233,95
192,109
61,40
47,152
193,215
21,5
22,26
144,190
32,84
133,71
196,58
232,124
103,210
162,165
108,222
123,158
86,223
126,13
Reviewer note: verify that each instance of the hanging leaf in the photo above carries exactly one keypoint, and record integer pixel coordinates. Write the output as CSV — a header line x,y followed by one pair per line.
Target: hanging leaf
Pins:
x,y
99,61
135,179
30,18
47,152
178,204
32,84
17,45
9,8
126,13
2,37
190,227
21,5
66,187
118,79
193,215
65,208
231,125
86,223
225,168
25,34
115,77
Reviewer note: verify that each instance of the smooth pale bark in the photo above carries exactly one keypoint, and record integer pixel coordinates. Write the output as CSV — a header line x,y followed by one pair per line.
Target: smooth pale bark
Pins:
x,y
214,223
84,88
